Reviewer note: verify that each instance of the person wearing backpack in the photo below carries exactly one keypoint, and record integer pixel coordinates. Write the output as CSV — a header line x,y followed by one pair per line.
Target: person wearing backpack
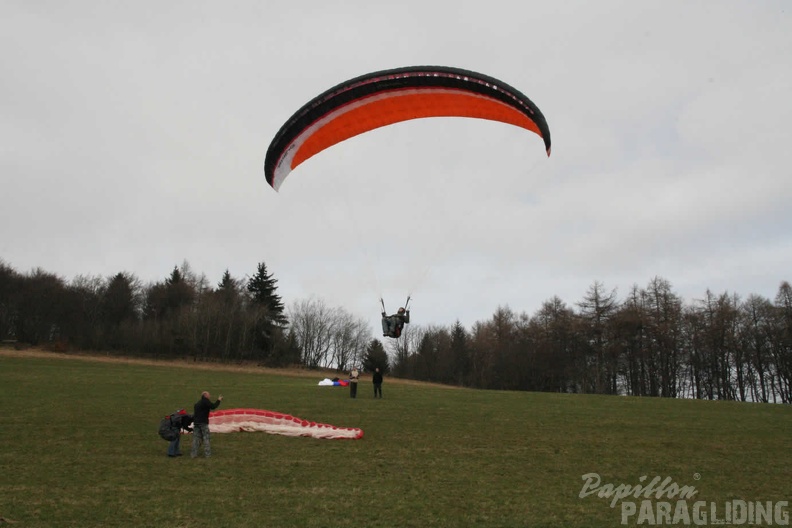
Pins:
x,y
179,420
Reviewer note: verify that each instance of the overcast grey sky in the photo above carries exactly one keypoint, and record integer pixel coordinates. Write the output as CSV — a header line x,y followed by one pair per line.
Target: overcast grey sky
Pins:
x,y
133,137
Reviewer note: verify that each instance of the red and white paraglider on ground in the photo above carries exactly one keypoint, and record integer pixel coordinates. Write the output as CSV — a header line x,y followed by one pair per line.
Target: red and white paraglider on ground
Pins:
x,y
250,420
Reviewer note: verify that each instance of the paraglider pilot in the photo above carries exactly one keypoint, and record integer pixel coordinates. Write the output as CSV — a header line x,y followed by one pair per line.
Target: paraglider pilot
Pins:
x,y
392,325
180,420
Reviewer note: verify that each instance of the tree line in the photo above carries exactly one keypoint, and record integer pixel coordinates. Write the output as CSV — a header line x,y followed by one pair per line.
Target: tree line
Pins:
x,y
649,344
182,316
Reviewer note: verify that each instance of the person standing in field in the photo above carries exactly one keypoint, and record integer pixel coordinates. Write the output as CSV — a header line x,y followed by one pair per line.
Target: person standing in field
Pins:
x,y
354,376
201,423
377,380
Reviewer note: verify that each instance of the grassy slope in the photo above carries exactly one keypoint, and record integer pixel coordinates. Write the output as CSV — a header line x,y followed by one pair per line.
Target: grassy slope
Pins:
x,y
80,449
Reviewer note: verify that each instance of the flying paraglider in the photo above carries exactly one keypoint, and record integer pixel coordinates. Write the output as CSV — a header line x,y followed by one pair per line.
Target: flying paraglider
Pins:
x,y
385,97
391,96
392,325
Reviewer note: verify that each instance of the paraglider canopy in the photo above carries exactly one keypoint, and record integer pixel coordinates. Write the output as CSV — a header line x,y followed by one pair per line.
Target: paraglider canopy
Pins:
x,y
386,97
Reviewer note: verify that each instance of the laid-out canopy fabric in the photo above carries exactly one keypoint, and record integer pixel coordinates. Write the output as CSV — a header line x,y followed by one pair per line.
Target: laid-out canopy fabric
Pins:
x,y
327,382
390,96
236,420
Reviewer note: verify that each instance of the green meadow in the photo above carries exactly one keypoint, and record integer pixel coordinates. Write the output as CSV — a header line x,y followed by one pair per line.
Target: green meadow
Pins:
x,y
80,448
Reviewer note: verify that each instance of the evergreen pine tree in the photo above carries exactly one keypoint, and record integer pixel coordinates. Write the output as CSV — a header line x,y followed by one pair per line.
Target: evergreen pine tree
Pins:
x,y
262,287
229,291
376,357
179,292
227,282
175,277
118,302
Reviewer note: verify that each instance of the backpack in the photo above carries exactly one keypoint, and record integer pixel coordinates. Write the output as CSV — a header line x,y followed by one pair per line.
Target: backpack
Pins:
x,y
168,430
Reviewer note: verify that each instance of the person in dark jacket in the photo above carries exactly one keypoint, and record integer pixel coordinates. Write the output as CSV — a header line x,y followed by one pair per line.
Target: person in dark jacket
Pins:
x,y
180,420
201,423
392,325
377,379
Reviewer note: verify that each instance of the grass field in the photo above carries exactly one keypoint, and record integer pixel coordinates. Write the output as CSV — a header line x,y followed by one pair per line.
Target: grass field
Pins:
x,y
80,448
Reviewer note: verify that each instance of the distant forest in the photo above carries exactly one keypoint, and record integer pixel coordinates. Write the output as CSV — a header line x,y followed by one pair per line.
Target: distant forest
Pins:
x,y
650,343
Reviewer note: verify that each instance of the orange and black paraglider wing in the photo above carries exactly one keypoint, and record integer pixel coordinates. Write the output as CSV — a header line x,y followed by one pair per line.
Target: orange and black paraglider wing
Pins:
x,y
390,96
